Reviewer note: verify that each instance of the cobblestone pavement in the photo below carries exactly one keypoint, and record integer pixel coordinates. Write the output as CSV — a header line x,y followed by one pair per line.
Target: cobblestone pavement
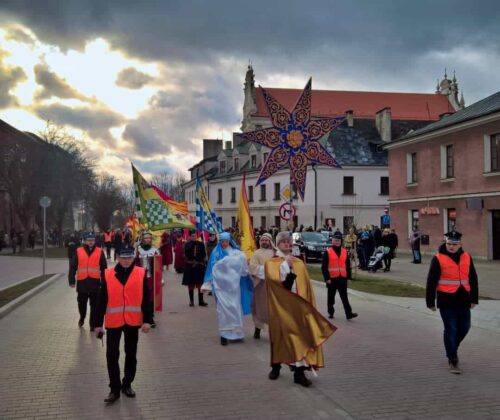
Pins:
x,y
388,363
16,269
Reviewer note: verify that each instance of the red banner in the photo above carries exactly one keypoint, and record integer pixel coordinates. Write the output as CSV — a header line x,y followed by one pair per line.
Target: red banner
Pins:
x,y
158,288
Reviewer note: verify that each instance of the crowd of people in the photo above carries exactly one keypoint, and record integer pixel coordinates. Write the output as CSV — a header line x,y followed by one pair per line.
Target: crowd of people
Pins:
x,y
271,284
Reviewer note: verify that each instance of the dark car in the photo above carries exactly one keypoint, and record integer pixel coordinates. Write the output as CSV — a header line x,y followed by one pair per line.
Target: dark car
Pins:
x,y
312,244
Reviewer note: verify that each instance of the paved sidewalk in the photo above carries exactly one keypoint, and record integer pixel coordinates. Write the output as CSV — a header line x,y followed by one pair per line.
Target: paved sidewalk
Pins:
x,y
388,363
16,269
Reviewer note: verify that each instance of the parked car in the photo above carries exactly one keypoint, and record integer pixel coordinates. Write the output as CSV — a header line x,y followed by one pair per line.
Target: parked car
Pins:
x,y
312,244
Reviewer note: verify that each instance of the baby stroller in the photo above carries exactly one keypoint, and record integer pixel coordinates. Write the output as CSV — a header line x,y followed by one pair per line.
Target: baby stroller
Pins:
x,y
375,261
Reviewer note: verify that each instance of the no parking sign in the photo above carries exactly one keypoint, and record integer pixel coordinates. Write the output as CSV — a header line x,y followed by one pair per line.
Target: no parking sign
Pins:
x,y
287,211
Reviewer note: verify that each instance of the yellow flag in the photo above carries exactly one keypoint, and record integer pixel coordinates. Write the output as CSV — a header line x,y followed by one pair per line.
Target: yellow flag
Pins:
x,y
245,226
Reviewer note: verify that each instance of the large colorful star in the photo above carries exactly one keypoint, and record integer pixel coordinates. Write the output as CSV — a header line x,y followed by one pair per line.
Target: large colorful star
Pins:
x,y
293,139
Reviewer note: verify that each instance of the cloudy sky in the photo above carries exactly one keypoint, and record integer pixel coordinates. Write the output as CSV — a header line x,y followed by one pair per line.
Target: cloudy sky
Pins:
x,y
147,80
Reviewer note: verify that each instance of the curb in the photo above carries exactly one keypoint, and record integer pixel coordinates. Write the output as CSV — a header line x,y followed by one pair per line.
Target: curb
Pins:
x,y
5,310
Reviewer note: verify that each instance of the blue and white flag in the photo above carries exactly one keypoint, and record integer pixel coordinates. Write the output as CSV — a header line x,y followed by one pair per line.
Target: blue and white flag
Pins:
x,y
206,219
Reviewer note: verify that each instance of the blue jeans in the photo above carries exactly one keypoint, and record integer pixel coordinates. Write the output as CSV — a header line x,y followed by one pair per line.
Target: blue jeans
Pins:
x,y
456,326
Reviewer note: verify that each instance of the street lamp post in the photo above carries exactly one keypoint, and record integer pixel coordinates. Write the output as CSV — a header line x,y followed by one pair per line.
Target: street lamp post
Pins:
x,y
44,203
315,196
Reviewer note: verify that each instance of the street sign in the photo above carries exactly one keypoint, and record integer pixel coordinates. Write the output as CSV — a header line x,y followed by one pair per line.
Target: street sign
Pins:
x,y
45,202
287,211
285,193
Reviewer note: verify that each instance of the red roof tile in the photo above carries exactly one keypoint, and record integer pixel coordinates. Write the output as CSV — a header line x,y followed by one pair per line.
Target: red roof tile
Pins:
x,y
404,106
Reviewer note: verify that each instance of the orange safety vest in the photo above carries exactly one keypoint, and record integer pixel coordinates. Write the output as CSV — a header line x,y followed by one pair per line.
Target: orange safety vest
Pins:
x,y
124,302
337,265
107,236
453,275
88,265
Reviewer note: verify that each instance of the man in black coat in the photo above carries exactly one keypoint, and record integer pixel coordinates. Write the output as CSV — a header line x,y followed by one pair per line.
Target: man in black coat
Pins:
x,y
453,279
194,270
89,282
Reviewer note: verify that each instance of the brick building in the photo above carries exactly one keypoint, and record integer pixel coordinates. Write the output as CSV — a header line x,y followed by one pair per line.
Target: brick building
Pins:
x,y
447,175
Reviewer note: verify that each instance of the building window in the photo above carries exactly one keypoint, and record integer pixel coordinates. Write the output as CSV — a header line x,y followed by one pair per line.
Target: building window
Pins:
x,y
495,152
277,191
250,193
263,192
233,195
263,223
384,185
451,219
277,222
266,154
233,221
348,185
411,168
236,164
253,160
219,196
449,161
222,166
414,219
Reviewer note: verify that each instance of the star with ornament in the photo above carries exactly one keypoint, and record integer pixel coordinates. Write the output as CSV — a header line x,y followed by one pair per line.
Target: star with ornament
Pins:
x,y
294,139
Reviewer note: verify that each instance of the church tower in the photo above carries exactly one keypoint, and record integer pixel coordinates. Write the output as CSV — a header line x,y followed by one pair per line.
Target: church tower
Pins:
x,y
249,104
450,89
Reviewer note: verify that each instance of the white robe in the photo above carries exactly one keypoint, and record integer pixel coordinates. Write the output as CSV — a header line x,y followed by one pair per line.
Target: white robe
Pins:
x,y
226,276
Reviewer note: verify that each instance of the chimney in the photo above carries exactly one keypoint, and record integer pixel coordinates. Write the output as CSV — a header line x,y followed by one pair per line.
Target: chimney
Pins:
x,y
228,145
237,140
349,115
383,123
211,148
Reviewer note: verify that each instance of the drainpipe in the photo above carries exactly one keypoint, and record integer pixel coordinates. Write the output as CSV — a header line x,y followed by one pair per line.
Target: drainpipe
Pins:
x,y
315,196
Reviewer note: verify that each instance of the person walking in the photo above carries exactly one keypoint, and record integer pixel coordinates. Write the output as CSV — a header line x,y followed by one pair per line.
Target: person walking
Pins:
x,y
117,242
166,249
123,307
453,279
194,270
72,244
180,261
415,246
87,265
336,269
389,242
107,237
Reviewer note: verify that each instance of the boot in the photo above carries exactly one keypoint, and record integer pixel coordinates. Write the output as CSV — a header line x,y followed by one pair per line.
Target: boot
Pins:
x,y
299,377
256,333
275,372
201,302
191,298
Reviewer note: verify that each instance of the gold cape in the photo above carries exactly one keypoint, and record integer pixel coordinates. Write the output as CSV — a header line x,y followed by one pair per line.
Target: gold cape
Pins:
x,y
296,329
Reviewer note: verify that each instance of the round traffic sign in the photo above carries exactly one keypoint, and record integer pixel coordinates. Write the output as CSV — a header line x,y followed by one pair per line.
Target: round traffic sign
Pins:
x,y
287,211
45,201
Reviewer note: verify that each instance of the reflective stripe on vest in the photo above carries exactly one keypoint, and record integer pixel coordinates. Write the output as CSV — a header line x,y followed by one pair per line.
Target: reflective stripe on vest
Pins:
x,y
88,265
124,302
337,265
453,275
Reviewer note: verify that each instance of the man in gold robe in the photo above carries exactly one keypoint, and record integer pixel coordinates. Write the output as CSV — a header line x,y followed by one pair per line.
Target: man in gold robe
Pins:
x,y
257,261
296,329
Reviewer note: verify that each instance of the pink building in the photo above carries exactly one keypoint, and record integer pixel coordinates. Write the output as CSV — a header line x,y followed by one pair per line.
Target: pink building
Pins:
x,y
447,175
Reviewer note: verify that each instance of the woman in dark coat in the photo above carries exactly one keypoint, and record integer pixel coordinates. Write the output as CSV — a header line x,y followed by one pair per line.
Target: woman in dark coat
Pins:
x,y
166,249
389,242
194,270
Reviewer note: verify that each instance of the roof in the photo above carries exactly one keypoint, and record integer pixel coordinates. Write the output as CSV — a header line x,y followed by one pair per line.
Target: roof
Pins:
x,y
404,106
484,107
20,135
209,159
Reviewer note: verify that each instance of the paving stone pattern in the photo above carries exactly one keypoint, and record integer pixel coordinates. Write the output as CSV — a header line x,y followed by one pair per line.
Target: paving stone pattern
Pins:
x,y
386,364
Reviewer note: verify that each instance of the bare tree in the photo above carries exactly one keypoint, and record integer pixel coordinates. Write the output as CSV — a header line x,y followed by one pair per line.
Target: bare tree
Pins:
x,y
105,199
170,184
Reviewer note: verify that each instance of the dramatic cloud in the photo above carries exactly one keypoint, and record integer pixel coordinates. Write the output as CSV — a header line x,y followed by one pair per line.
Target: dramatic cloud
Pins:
x,y
10,76
95,120
132,79
53,85
19,34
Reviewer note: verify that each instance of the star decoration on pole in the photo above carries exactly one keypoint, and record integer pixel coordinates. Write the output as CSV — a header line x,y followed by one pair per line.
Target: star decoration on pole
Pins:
x,y
294,139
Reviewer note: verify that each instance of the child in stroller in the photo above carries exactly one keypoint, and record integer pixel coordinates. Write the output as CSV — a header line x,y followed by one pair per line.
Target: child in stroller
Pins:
x,y
375,261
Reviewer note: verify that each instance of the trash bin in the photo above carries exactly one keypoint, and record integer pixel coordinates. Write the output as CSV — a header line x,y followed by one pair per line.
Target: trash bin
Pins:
x,y
424,239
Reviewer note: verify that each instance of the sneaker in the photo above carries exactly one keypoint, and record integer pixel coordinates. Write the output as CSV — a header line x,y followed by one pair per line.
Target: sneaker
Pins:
x,y
453,367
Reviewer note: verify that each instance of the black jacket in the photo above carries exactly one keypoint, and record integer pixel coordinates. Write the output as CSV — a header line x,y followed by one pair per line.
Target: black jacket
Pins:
x,y
461,298
324,264
87,285
122,274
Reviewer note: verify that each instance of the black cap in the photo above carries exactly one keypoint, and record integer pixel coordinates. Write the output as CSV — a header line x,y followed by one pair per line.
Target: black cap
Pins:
x,y
453,236
337,235
126,252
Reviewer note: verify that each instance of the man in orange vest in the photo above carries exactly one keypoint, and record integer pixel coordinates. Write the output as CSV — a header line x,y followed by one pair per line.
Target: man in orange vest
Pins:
x,y
336,269
453,278
87,266
123,306
107,236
